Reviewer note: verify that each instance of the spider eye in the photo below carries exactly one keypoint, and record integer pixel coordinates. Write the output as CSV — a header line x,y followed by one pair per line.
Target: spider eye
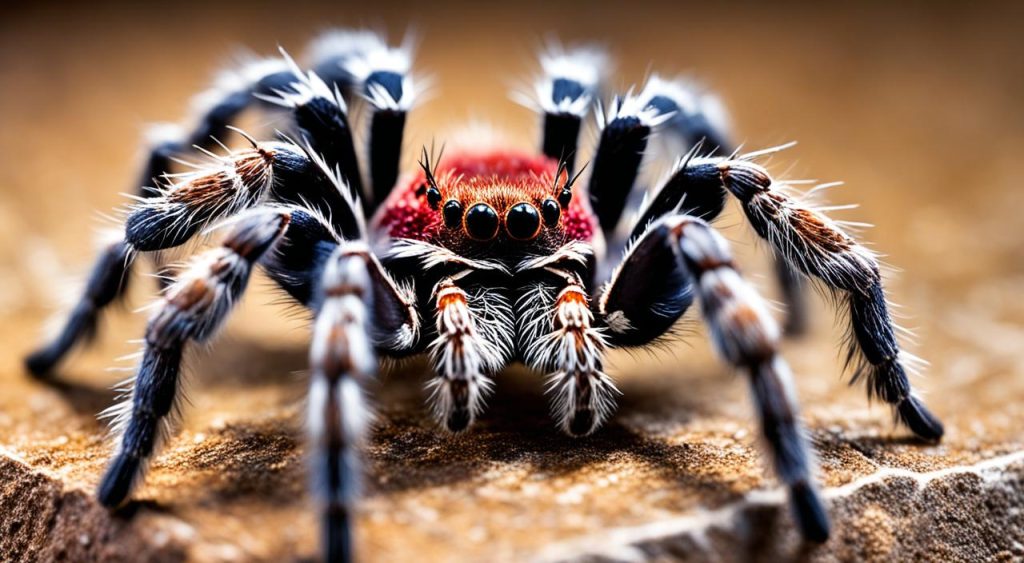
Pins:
x,y
551,212
452,213
565,197
433,197
522,221
481,222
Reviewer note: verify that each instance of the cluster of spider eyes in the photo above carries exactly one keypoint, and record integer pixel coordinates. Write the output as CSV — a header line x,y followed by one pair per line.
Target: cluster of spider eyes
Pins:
x,y
481,221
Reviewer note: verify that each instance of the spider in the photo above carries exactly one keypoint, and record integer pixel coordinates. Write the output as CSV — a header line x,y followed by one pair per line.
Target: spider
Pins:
x,y
481,257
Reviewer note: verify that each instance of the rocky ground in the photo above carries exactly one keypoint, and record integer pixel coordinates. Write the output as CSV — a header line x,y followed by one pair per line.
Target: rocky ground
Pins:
x,y
918,111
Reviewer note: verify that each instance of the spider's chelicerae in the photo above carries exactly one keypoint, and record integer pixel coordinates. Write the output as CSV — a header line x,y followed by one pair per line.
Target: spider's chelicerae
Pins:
x,y
482,257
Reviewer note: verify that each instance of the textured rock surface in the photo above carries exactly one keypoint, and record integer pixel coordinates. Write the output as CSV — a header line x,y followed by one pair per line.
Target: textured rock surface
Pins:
x,y
919,112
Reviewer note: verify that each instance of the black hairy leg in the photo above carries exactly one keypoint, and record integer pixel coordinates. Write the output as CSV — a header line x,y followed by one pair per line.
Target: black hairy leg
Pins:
x,y
265,173
626,124
815,245
268,172
695,187
741,328
320,115
564,93
359,310
217,108
107,283
192,310
377,76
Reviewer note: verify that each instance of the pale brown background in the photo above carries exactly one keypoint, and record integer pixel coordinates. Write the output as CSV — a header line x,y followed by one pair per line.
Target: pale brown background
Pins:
x,y
918,108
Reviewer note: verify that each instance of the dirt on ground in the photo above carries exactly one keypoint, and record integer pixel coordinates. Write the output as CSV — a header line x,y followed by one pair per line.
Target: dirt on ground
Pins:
x,y
918,109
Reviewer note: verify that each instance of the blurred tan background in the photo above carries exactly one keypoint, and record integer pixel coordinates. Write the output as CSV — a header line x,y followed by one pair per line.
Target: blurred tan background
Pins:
x,y
917,107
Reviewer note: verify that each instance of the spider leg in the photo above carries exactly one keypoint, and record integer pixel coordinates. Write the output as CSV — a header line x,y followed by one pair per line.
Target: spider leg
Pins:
x,y
697,125
298,263
273,171
107,282
646,294
269,172
321,116
694,116
360,312
570,82
216,109
626,125
473,326
192,310
342,361
816,246
379,76
742,329
111,271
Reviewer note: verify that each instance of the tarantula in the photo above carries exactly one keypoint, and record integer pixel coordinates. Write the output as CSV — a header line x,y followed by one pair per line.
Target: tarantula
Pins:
x,y
482,257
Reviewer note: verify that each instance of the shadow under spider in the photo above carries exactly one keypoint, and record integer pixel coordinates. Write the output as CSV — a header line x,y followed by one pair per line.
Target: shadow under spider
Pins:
x,y
408,451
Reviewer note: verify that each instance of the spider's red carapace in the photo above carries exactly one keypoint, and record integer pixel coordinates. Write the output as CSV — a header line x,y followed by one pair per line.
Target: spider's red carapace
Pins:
x,y
521,190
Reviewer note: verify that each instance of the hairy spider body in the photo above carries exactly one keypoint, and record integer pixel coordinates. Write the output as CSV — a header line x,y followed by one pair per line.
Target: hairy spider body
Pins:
x,y
482,258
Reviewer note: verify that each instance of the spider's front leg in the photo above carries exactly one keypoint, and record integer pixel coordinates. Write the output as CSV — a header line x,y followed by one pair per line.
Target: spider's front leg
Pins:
x,y
192,310
812,245
361,313
676,259
343,359
558,336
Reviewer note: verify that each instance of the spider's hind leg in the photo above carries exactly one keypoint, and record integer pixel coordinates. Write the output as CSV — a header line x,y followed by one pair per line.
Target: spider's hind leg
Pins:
x,y
378,77
679,258
570,83
192,310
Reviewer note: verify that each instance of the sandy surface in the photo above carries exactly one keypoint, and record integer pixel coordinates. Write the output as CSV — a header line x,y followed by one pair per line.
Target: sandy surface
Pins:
x,y
917,110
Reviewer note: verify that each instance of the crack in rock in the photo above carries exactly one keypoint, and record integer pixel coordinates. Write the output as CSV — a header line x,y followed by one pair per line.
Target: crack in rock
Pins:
x,y
701,536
